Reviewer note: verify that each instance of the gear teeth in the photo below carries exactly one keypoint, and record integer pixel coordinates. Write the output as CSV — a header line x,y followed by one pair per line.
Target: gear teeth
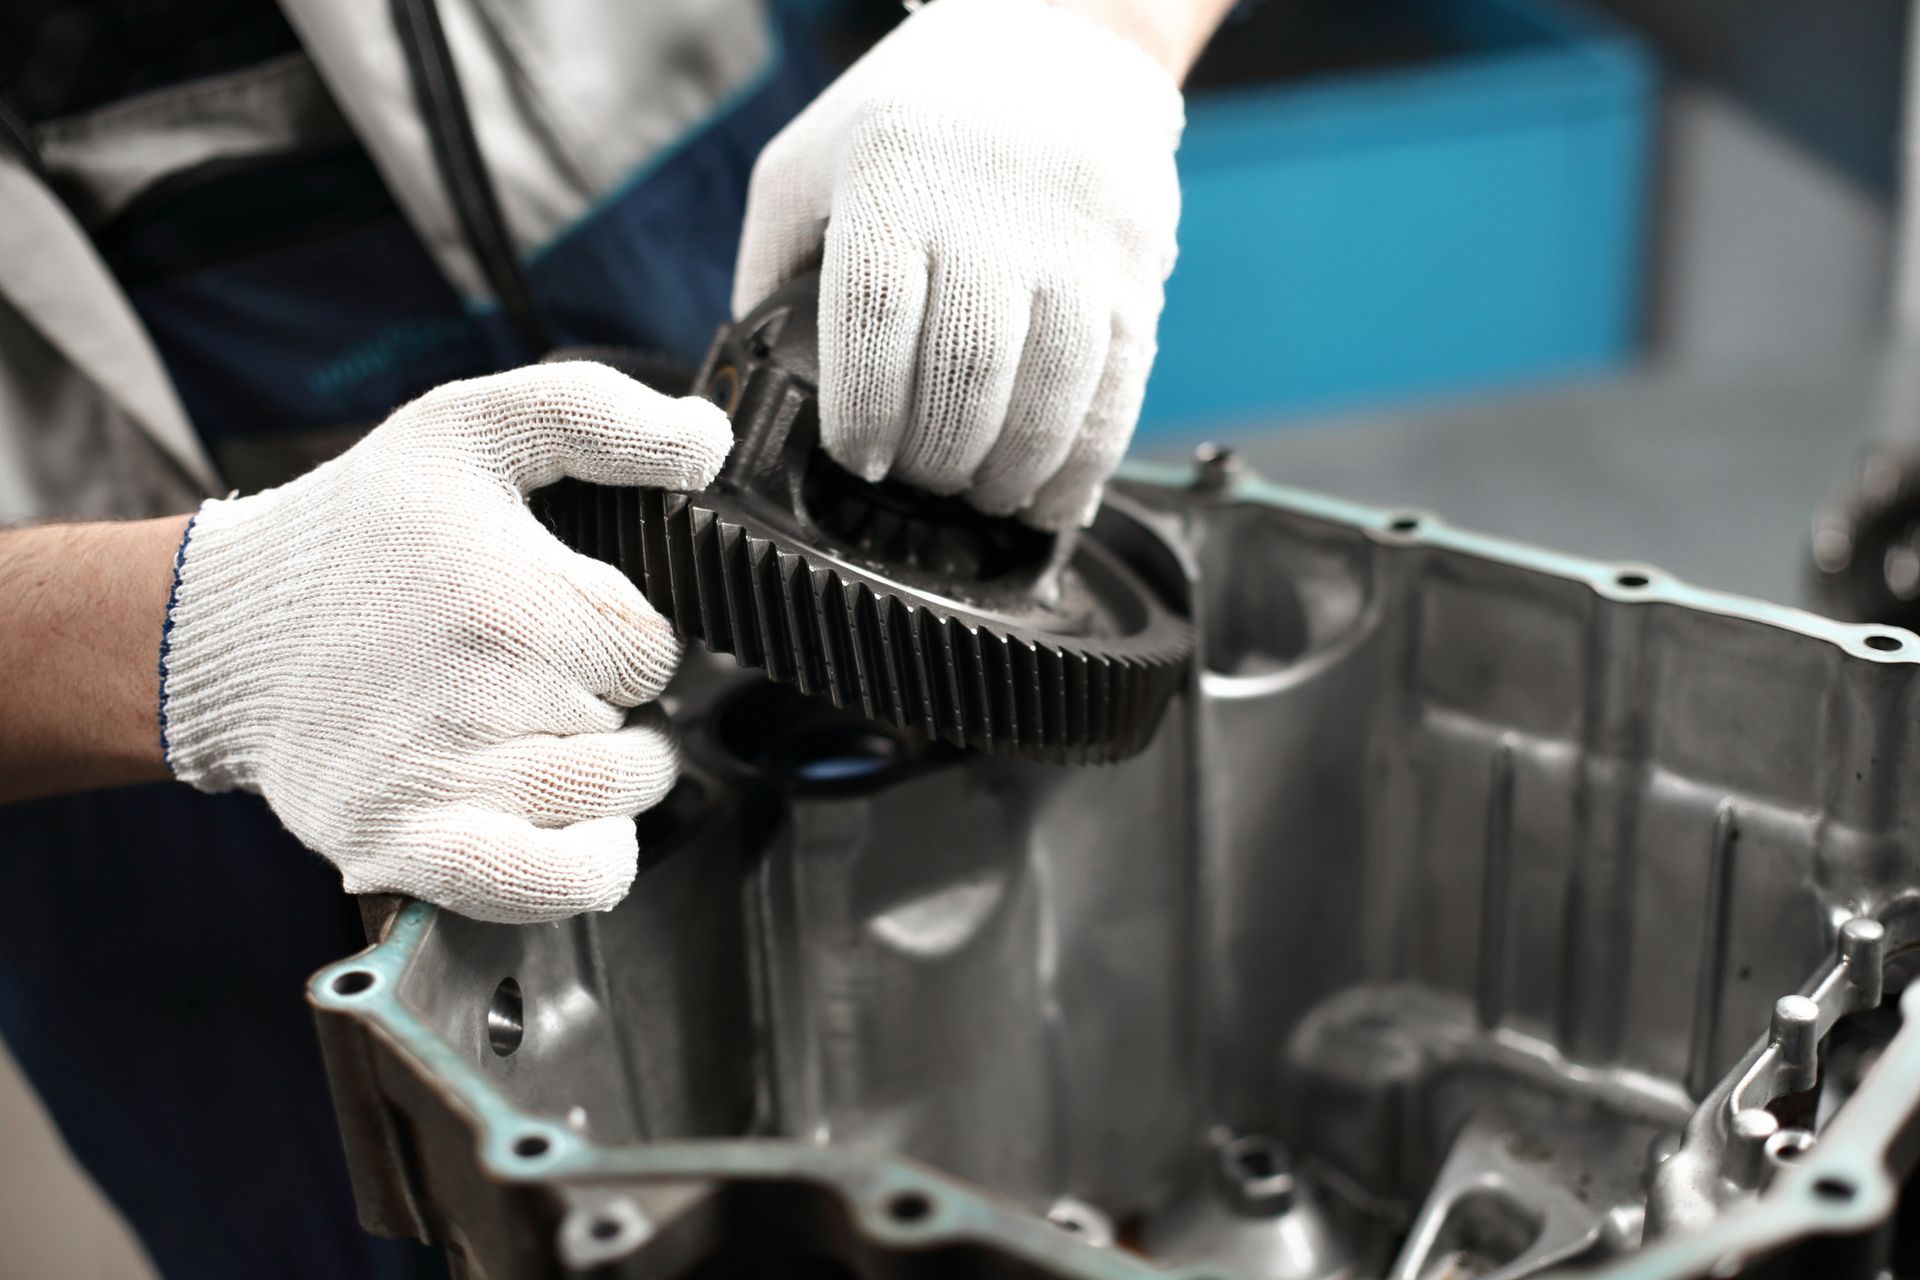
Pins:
x,y
825,600
859,681
996,675
971,667
736,573
763,580
705,575
682,588
1053,698
920,665
901,662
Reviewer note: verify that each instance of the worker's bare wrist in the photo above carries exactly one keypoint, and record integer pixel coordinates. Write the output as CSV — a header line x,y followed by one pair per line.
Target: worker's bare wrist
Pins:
x,y
79,685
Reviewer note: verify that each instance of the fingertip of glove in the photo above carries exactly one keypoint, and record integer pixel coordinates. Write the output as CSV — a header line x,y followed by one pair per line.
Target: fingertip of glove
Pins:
x,y
1063,513
707,427
694,419
490,865
863,457
677,442
607,858
749,290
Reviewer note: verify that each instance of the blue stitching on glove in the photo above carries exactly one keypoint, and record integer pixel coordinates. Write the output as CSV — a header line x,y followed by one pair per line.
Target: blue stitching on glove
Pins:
x,y
166,635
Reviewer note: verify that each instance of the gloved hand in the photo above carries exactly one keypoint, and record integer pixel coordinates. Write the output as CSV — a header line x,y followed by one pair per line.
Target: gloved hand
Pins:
x,y
427,687
991,196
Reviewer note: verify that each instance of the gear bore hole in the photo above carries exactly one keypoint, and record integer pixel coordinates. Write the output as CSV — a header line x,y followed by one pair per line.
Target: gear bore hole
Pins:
x,y
909,531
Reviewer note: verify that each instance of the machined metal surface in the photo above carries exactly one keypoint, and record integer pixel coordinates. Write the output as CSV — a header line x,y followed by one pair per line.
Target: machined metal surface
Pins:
x,y
1474,911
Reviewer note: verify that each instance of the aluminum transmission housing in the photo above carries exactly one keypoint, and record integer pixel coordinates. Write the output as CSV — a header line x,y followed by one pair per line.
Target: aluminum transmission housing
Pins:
x,y
1474,911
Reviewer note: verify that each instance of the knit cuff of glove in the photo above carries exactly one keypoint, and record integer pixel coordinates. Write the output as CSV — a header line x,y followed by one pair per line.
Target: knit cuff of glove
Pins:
x,y
1160,93
210,611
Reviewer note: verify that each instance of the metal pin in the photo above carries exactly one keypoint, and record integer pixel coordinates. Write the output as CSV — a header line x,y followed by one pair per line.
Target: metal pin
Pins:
x,y
1745,1162
1216,467
1863,945
1796,1038
1077,1217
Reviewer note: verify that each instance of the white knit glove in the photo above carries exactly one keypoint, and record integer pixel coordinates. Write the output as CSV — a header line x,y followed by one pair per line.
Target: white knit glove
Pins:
x,y
426,686
991,196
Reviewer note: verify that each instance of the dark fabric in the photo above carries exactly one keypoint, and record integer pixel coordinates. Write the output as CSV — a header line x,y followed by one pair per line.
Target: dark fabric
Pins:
x,y
58,57
336,314
235,210
154,947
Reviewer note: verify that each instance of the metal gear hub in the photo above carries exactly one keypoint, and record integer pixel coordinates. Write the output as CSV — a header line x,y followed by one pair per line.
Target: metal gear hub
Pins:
x,y
914,609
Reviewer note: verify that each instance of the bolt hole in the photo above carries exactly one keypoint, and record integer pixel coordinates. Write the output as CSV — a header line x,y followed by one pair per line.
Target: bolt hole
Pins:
x,y
1632,581
1838,1190
1885,643
909,1206
532,1146
1257,1162
604,1228
353,982
1404,523
506,1027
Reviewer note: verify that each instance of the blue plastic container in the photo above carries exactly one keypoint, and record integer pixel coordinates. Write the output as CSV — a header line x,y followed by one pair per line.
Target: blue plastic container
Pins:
x,y
1367,237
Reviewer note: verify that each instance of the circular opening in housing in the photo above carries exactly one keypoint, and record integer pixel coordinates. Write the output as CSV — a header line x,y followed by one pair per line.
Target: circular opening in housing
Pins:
x,y
809,745
1838,1190
353,982
1405,522
1254,623
1885,643
532,1146
1632,580
842,755
506,1026
604,1228
909,1206
1254,1158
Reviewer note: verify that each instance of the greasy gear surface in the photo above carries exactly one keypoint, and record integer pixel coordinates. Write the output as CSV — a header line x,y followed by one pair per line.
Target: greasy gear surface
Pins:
x,y
914,609
896,654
